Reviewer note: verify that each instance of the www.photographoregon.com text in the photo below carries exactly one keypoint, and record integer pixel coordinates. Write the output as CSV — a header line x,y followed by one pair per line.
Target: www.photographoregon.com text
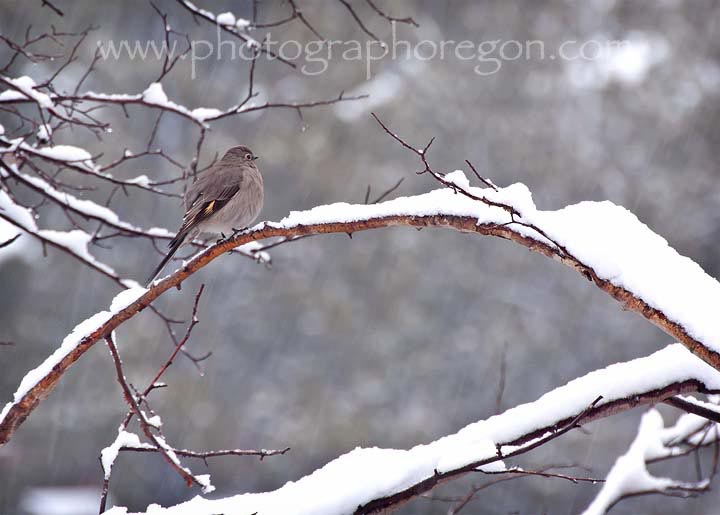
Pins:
x,y
314,56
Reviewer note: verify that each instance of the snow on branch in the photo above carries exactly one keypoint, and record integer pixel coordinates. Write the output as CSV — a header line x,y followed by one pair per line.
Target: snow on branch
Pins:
x,y
374,479
73,242
44,376
85,208
238,27
154,97
612,248
604,242
630,477
73,158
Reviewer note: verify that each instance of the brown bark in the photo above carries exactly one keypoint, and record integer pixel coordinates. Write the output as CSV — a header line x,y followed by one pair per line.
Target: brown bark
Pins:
x,y
19,412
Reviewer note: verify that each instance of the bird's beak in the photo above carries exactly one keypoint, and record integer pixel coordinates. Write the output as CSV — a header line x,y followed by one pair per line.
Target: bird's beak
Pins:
x,y
256,158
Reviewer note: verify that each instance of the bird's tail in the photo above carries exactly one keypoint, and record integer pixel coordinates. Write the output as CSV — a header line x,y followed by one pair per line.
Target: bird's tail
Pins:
x,y
174,244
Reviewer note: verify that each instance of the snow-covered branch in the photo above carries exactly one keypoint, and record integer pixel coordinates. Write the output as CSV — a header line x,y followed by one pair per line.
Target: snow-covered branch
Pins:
x,y
609,244
73,242
372,480
76,159
154,97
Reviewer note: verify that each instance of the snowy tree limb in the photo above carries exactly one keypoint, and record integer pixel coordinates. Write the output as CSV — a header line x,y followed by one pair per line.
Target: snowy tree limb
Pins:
x,y
439,208
377,480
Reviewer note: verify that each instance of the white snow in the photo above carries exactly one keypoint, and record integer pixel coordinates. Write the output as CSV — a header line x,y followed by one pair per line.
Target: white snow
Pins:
x,y
629,475
155,421
16,248
109,454
623,250
44,132
10,94
8,230
26,89
87,207
251,249
75,241
140,180
67,153
366,474
204,480
227,18
205,484
159,231
203,113
436,202
155,95
125,298
18,213
72,156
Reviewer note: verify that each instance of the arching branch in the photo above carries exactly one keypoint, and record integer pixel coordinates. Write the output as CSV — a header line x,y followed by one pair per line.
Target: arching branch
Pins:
x,y
439,208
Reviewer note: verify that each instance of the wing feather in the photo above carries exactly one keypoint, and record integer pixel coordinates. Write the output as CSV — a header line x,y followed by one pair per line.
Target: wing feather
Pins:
x,y
204,205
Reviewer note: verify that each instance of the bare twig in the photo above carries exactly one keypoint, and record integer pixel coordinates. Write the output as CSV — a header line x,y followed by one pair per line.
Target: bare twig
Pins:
x,y
47,3
391,19
145,424
262,454
694,408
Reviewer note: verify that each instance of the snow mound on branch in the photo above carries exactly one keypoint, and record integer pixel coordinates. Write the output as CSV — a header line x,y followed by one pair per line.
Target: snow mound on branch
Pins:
x,y
154,94
25,88
623,250
67,153
227,18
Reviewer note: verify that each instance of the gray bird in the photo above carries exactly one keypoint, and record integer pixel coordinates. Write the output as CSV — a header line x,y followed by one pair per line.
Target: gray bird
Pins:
x,y
226,197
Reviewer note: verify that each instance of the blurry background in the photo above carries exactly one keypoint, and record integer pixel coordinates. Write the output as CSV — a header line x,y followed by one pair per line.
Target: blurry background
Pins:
x,y
395,337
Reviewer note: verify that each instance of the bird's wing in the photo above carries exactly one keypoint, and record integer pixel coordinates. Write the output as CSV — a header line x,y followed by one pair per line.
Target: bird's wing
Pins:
x,y
207,203
203,202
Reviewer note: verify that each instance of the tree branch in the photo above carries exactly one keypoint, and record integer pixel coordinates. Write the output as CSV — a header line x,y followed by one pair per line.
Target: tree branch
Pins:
x,y
22,407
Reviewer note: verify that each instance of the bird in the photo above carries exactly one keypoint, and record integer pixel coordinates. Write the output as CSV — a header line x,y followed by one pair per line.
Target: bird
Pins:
x,y
225,198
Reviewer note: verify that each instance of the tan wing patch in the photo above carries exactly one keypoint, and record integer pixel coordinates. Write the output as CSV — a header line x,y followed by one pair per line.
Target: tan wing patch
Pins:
x,y
209,208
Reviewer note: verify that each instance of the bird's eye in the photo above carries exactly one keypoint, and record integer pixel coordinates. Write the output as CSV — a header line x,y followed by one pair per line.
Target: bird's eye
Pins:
x,y
248,156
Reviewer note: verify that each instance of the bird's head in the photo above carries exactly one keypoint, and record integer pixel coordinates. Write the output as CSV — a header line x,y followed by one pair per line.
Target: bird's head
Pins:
x,y
240,153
